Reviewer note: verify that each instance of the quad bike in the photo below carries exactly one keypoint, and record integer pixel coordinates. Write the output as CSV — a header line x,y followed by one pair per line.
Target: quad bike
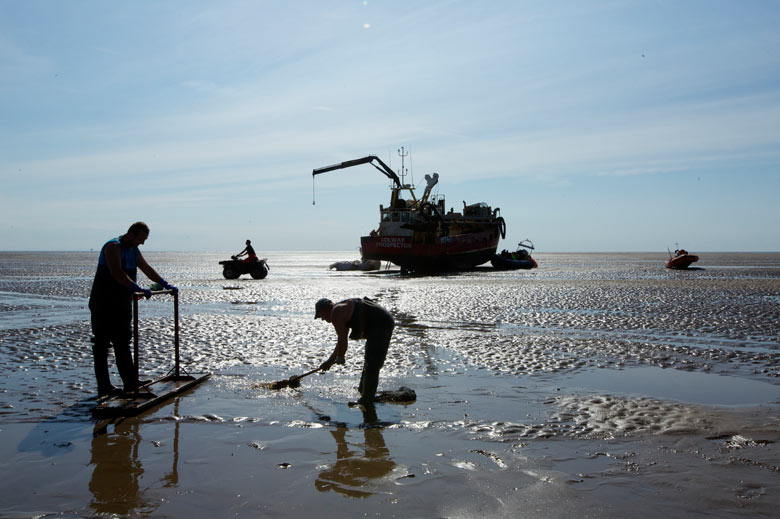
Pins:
x,y
234,267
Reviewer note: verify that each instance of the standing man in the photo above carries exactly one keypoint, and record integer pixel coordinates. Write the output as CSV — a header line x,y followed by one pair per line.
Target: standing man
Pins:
x,y
367,320
110,305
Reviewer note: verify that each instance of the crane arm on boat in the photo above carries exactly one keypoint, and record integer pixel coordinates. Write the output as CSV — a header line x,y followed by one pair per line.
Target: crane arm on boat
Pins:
x,y
382,167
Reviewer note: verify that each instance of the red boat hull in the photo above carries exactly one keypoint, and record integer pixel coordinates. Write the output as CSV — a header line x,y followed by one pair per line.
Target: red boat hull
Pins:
x,y
681,262
433,253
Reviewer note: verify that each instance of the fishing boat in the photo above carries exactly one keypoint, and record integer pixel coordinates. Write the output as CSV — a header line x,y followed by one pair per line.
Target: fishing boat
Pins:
x,y
419,234
519,259
682,259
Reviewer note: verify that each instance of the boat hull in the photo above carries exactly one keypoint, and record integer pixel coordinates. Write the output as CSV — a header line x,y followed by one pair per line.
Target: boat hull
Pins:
x,y
429,252
681,262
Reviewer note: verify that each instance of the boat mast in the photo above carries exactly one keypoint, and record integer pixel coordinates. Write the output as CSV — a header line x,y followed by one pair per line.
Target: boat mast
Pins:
x,y
403,156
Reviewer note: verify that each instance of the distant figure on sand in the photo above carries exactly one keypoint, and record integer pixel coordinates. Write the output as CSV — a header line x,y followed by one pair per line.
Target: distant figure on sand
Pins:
x,y
110,305
249,251
367,320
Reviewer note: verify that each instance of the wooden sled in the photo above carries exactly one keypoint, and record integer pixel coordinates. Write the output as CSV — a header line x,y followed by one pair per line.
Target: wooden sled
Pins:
x,y
156,392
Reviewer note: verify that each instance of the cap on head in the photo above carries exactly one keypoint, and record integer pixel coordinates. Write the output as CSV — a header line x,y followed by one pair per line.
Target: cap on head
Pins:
x,y
320,305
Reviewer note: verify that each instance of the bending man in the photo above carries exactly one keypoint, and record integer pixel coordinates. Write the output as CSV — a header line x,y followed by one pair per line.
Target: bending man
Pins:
x,y
367,320
110,305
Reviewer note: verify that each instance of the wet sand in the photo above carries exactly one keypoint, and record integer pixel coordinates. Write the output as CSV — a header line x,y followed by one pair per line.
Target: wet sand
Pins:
x,y
594,386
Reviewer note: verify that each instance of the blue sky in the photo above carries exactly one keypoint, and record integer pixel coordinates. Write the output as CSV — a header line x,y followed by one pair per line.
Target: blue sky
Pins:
x,y
594,126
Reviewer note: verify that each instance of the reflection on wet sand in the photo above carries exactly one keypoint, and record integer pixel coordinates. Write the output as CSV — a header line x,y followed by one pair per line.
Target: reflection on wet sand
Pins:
x,y
354,470
172,478
117,470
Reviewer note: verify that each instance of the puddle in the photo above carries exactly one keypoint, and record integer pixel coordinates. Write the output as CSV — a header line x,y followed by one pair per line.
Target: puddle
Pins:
x,y
673,384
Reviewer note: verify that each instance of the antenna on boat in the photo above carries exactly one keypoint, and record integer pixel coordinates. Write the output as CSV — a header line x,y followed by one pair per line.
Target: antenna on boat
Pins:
x,y
411,168
402,155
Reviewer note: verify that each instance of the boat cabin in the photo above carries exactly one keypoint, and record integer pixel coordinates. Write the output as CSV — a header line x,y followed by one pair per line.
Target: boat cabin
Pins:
x,y
478,210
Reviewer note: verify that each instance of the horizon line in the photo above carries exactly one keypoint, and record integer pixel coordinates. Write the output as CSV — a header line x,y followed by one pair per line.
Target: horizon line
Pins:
x,y
698,251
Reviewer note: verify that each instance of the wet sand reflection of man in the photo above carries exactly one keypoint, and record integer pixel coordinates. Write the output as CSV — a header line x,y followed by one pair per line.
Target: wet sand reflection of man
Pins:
x,y
117,471
356,469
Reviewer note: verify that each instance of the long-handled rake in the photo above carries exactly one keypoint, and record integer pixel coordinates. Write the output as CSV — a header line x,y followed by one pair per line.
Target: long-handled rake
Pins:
x,y
293,381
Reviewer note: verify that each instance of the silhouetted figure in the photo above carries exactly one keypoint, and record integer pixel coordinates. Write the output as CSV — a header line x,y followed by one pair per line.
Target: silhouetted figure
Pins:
x,y
367,320
110,304
248,251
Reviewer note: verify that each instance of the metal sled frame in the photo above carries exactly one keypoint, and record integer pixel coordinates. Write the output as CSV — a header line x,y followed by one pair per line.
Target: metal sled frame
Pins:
x,y
153,393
